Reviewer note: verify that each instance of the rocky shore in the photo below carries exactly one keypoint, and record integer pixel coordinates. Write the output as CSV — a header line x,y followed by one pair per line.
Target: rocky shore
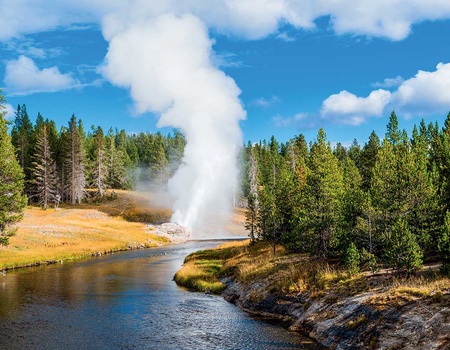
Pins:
x,y
363,321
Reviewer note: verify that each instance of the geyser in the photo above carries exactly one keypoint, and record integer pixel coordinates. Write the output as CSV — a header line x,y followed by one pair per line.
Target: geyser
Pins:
x,y
167,64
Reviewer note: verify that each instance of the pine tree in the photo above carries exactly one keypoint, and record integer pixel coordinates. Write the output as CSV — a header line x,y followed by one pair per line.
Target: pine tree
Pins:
x,y
318,216
75,163
251,215
444,245
385,190
367,160
12,202
116,159
352,201
62,163
393,134
352,259
158,161
44,170
22,138
404,253
99,171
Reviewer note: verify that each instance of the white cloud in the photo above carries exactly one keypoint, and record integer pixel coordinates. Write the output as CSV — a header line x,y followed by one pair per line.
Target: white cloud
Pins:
x,y
9,111
23,77
264,102
252,19
382,18
347,108
389,82
24,16
425,93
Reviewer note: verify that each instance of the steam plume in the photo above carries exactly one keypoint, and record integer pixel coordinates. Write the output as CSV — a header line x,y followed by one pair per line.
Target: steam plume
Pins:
x,y
166,63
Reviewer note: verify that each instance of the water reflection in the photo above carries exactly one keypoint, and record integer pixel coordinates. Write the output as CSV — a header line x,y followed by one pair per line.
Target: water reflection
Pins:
x,y
126,301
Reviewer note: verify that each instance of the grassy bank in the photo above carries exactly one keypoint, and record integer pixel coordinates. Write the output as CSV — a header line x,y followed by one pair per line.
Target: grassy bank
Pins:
x,y
72,232
294,274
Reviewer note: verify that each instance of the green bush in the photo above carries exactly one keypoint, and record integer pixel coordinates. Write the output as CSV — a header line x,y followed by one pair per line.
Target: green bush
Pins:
x,y
352,259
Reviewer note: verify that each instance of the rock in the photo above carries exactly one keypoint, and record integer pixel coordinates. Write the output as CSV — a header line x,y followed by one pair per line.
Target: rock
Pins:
x,y
173,231
350,322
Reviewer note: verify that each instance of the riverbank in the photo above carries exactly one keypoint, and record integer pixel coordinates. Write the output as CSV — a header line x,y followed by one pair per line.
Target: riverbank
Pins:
x,y
317,298
118,222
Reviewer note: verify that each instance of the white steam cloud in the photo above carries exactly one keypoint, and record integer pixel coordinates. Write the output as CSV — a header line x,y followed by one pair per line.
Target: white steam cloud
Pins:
x,y
166,63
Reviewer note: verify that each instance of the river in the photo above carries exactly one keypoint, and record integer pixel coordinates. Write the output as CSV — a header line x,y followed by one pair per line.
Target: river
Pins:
x,y
126,301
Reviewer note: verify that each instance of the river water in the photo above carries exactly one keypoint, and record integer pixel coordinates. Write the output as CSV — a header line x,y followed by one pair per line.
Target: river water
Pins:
x,y
126,301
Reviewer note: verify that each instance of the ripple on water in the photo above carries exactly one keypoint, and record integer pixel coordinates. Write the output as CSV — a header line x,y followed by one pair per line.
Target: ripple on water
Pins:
x,y
127,301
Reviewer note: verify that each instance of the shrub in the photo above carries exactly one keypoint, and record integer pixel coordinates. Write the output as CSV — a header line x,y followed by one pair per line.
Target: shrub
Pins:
x,y
352,259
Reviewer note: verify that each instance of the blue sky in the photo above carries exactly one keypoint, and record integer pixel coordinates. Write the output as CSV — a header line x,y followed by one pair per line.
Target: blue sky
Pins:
x,y
297,72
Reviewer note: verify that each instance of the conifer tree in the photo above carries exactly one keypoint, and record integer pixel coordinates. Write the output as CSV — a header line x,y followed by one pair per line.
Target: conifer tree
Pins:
x,y
352,259
367,159
75,163
444,245
12,201
352,202
251,215
22,139
116,160
44,170
404,253
393,134
99,171
319,216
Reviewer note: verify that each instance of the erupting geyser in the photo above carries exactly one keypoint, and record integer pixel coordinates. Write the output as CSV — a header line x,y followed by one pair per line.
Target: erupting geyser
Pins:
x,y
167,64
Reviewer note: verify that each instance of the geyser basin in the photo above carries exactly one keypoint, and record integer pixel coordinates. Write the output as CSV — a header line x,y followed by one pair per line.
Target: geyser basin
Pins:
x,y
173,231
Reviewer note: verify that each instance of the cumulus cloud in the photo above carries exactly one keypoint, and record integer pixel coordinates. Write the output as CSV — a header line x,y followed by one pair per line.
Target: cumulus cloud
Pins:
x,y
425,93
23,77
347,108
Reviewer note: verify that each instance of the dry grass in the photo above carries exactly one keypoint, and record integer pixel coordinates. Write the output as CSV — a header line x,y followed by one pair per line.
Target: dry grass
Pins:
x,y
143,207
201,270
294,274
398,291
201,276
75,232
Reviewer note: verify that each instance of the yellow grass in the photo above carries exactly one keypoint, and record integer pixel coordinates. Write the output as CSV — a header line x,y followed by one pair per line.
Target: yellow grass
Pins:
x,y
200,276
399,291
317,278
75,232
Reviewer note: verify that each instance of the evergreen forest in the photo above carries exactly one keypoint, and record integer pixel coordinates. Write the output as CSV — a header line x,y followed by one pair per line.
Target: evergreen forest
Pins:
x,y
385,204
60,164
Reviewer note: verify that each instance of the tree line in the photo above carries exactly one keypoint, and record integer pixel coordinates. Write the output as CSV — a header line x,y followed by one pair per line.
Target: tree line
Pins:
x,y
59,165
387,202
